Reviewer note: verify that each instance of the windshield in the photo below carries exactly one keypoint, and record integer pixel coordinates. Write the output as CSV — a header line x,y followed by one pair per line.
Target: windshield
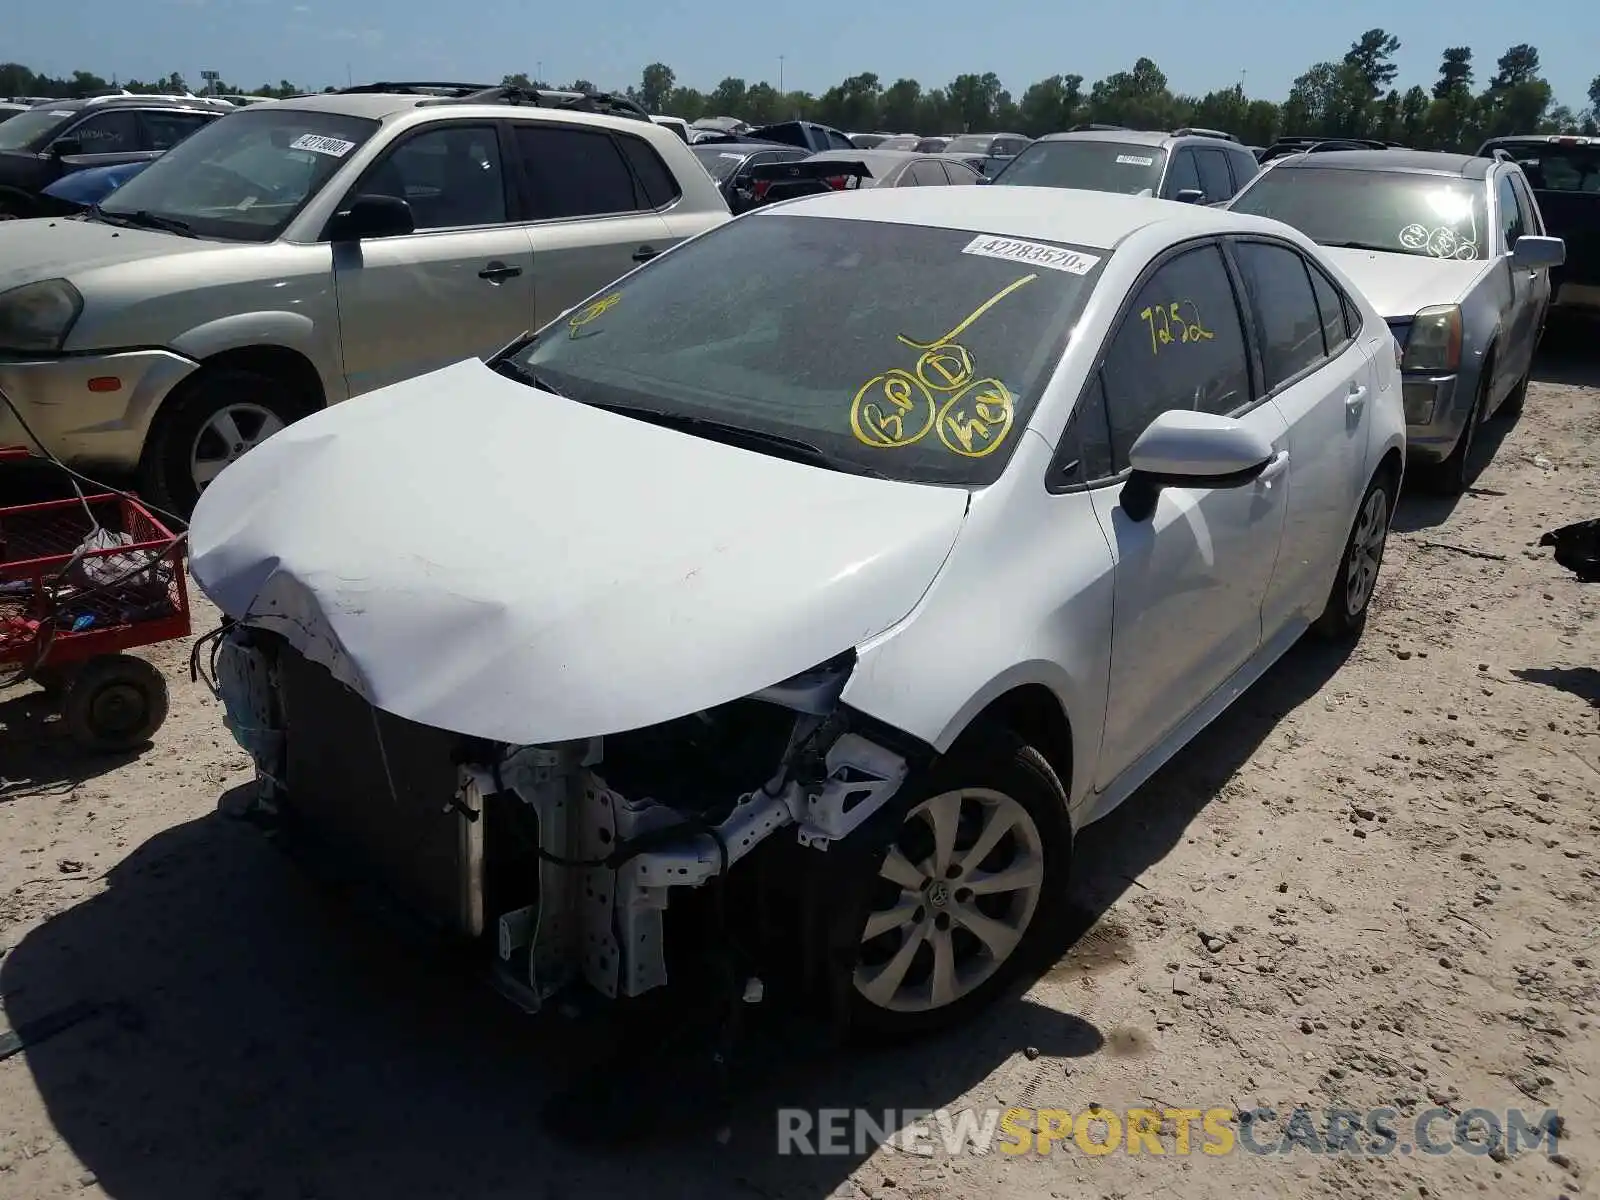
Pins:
x,y
25,129
246,176
721,163
970,143
1437,216
1090,166
902,350
1551,167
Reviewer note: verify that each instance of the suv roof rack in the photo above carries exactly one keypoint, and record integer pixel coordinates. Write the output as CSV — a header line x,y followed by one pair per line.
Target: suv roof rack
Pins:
x,y
1302,145
1197,131
605,103
1094,127
184,101
410,88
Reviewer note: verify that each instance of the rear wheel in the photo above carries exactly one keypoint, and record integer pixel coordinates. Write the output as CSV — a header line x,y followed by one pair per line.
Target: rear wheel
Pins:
x,y
1345,615
971,885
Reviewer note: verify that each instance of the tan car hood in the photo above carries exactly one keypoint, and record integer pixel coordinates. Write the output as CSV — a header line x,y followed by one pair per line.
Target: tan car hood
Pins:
x,y
59,248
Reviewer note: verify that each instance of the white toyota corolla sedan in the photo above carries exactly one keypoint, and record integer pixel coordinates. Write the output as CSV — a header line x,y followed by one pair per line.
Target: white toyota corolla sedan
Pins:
x,y
790,604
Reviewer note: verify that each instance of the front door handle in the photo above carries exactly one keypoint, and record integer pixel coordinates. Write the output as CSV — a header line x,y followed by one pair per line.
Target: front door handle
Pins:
x,y
497,272
1276,466
1357,397
645,254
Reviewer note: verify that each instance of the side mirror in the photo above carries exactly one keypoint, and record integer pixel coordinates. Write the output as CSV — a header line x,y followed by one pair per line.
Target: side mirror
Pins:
x,y
1181,448
1533,253
65,147
1189,196
372,217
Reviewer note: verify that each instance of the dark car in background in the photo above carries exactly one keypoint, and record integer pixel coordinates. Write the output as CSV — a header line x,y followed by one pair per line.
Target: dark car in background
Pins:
x,y
931,145
730,163
9,109
1196,166
988,152
50,140
1564,172
846,170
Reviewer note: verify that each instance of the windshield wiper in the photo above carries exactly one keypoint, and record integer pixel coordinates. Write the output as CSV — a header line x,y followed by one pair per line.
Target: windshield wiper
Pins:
x,y
512,369
1364,246
790,448
145,219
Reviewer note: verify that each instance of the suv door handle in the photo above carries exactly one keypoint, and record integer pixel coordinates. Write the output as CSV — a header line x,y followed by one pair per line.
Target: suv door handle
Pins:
x,y
1356,398
497,271
645,254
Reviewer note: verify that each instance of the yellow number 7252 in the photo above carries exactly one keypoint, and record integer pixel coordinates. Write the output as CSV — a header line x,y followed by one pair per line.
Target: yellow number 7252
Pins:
x,y
1164,319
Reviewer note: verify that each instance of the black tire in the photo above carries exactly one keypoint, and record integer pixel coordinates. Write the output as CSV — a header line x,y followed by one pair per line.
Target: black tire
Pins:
x,y
164,472
998,762
1454,475
1345,615
115,704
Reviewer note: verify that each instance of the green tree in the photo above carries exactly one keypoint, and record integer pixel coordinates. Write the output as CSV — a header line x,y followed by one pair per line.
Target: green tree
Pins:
x,y
1517,97
1455,72
1372,56
973,100
900,106
728,97
655,87
854,105
762,104
1051,104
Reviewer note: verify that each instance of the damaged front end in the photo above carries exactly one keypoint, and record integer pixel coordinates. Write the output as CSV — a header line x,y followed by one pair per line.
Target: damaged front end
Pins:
x,y
561,861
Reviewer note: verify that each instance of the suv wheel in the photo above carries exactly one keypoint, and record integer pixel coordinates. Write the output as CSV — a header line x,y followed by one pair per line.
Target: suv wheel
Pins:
x,y
218,418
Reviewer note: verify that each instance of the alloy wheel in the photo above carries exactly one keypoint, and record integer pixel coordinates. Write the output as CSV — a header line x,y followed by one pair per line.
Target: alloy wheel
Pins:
x,y
955,895
228,436
1366,552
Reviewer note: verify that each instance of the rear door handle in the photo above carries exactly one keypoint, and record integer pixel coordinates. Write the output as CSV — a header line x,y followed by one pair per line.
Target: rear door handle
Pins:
x,y
1276,466
1357,397
645,254
495,272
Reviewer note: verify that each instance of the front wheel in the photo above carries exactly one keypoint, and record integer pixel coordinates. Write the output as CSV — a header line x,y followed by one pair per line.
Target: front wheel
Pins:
x,y
1345,614
218,417
970,887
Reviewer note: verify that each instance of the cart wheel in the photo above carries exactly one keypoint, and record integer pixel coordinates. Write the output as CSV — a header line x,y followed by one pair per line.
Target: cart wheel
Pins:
x,y
115,703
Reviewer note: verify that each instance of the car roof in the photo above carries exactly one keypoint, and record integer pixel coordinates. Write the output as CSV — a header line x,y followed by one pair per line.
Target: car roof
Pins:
x,y
746,147
883,157
1127,137
380,106
1099,219
1422,162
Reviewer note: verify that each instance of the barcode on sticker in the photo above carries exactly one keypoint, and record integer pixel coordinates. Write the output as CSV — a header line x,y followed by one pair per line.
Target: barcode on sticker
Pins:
x,y
318,144
1034,254
1135,160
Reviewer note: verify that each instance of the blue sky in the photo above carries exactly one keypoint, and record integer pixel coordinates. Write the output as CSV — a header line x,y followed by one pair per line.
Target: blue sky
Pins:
x,y
1199,46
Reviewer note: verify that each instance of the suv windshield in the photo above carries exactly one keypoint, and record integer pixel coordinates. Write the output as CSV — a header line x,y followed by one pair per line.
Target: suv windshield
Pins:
x,y
898,350
1438,216
245,176
1091,166
1553,167
36,125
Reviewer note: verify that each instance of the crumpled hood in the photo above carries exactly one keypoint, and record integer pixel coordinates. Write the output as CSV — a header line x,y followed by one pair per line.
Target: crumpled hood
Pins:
x,y
480,556
1399,285
56,248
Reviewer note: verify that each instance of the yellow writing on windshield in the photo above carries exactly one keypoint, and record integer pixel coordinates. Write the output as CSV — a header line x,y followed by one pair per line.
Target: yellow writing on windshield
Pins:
x,y
897,407
1175,323
892,409
593,312
971,317
974,422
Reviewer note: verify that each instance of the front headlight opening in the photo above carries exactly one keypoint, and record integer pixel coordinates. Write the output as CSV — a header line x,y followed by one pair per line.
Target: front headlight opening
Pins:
x,y
1435,341
38,316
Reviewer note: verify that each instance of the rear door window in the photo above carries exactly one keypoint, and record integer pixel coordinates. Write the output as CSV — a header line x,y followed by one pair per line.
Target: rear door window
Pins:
x,y
574,172
164,130
1214,178
1285,308
1183,176
655,179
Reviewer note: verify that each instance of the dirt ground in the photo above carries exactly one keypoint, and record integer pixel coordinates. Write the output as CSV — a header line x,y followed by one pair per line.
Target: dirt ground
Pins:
x,y
1372,883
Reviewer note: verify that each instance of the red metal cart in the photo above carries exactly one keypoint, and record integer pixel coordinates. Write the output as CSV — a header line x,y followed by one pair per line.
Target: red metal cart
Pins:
x,y
82,580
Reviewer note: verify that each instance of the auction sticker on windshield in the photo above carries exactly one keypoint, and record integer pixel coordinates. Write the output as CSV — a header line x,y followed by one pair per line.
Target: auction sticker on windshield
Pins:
x,y
318,144
1035,254
1135,160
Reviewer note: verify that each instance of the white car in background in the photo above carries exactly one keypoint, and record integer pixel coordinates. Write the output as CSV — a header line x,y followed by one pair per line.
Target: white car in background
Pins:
x,y
852,587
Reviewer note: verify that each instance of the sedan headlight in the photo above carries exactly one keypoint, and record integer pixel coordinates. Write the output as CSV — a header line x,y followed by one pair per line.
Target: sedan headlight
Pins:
x,y
1435,341
38,316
